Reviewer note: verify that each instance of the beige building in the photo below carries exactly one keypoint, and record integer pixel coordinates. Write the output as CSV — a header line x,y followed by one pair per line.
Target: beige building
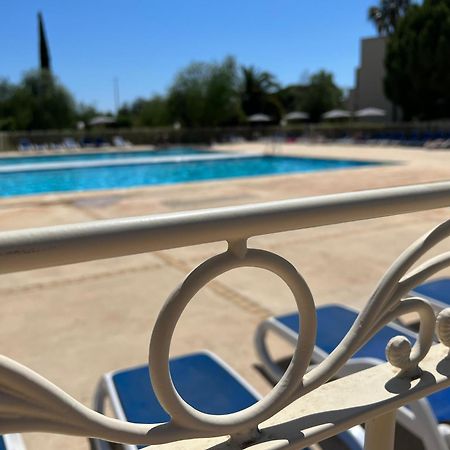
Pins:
x,y
369,91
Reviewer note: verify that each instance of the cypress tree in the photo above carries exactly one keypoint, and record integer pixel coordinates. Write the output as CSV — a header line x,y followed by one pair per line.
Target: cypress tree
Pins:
x,y
44,54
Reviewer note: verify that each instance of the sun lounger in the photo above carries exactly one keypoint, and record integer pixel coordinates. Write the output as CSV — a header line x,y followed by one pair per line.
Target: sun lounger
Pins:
x,y
69,143
425,418
11,442
25,144
202,379
437,292
333,323
119,141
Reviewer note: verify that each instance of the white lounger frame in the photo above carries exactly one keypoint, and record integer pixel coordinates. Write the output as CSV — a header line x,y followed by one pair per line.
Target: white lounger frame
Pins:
x,y
107,390
13,442
419,419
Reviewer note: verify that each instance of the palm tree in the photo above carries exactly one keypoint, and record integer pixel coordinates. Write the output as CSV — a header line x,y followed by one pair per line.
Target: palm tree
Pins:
x,y
258,92
387,14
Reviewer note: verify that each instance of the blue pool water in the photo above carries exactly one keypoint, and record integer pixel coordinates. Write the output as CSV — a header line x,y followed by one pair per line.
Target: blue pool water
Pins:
x,y
173,151
94,178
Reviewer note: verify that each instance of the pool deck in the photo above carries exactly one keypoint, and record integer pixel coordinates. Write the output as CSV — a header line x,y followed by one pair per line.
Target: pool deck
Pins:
x,y
73,323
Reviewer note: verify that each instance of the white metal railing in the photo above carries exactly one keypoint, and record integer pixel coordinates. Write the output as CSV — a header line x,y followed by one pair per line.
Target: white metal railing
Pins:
x,y
283,419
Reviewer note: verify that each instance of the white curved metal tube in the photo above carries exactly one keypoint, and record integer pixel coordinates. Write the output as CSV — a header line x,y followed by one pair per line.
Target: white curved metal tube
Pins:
x,y
66,244
183,414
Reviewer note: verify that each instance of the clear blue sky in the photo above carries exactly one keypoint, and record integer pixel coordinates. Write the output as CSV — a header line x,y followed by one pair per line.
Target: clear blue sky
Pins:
x,y
145,42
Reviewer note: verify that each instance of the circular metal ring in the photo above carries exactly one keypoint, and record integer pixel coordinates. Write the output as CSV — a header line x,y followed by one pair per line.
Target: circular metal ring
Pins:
x,y
181,412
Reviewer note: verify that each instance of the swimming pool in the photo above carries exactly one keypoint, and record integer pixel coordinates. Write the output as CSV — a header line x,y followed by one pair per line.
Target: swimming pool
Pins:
x,y
101,156
125,176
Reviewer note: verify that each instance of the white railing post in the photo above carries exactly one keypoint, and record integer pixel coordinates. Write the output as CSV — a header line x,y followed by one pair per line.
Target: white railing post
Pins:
x,y
380,432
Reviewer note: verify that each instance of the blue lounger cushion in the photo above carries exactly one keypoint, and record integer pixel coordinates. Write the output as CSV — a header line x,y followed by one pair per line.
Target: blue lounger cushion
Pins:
x,y
435,290
199,378
440,404
334,321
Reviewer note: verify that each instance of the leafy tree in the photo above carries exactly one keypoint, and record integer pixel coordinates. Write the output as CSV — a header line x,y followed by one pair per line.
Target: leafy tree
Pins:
x,y
85,113
321,95
222,93
418,62
40,102
124,117
7,90
387,14
258,93
292,97
206,94
187,96
142,112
